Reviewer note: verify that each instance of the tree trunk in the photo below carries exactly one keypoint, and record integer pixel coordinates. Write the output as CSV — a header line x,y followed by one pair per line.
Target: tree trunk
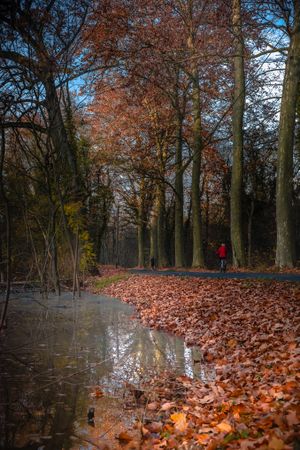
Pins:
x,y
251,212
153,232
2,265
8,232
206,223
198,256
141,241
53,252
58,132
141,225
161,226
237,243
285,248
76,284
179,253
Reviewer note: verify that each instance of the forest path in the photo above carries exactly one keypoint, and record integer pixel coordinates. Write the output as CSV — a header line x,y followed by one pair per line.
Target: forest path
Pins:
x,y
228,275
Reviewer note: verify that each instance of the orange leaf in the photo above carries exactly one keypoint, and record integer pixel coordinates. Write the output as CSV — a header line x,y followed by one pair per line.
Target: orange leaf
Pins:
x,y
180,421
224,427
202,438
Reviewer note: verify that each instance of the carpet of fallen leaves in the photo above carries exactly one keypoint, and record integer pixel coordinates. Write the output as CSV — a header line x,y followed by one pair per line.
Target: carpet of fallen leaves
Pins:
x,y
249,332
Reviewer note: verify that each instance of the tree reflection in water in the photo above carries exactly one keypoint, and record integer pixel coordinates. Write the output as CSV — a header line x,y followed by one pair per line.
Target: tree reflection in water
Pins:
x,y
55,352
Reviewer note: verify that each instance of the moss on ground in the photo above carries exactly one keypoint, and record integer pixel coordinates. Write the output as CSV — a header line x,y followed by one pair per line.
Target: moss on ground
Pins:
x,y
103,282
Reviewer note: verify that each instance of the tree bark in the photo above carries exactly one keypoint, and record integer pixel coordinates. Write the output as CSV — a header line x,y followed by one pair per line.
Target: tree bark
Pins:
x,y
53,251
250,220
179,253
8,232
285,246
237,243
198,255
141,241
141,225
153,232
161,226
58,131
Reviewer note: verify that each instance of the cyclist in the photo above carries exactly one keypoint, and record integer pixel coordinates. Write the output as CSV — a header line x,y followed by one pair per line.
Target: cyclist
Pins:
x,y
222,254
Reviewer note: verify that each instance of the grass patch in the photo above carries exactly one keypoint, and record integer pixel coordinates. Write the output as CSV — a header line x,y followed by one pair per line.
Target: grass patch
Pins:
x,y
103,282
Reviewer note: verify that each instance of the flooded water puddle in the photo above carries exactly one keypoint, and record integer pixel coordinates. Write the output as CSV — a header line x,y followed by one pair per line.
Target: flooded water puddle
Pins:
x,y
60,357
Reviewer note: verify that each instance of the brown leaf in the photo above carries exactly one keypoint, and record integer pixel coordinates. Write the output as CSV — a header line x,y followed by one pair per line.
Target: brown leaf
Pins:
x,y
275,443
155,427
168,405
207,399
292,419
152,406
124,436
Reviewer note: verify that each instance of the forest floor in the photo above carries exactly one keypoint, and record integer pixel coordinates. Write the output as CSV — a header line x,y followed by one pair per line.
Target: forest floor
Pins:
x,y
248,331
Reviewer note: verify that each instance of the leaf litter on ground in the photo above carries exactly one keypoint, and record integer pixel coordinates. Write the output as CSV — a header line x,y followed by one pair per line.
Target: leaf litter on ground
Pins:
x,y
249,332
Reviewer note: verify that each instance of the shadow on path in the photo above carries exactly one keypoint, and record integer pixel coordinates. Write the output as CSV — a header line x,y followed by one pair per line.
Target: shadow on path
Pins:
x,y
227,275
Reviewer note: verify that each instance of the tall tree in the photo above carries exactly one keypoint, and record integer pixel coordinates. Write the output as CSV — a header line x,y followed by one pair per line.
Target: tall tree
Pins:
x,y
236,229
40,43
285,246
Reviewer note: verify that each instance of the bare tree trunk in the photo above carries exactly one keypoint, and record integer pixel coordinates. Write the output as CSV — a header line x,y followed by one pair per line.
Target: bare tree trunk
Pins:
x,y
141,225
69,235
198,255
58,132
141,240
285,247
2,264
8,232
297,137
117,242
153,232
237,243
250,220
76,285
206,223
179,253
53,251
161,225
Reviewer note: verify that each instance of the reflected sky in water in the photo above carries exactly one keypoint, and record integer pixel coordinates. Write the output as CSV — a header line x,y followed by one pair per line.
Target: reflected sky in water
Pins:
x,y
55,352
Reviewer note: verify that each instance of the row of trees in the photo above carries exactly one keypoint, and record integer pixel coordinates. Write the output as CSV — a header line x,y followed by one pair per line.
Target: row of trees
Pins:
x,y
164,114
200,82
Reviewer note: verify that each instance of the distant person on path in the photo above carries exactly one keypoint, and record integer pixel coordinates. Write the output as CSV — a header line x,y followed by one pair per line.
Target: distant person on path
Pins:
x,y
222,254
152,262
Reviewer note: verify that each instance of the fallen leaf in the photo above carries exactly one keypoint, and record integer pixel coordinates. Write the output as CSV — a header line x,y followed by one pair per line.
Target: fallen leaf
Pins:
x,y
155,427
224,427
292,418
97,393
202,438
275,443
124,436
232,343
168,405
152,406
207,399
180,421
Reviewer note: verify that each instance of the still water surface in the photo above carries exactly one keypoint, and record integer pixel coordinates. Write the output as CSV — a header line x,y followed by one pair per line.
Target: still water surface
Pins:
x,y
56,353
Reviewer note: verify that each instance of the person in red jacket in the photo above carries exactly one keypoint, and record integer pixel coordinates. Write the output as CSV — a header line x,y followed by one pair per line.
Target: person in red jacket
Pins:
x,y
222,254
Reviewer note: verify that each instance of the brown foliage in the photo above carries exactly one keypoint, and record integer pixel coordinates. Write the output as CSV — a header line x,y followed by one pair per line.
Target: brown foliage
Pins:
x,y
249,331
